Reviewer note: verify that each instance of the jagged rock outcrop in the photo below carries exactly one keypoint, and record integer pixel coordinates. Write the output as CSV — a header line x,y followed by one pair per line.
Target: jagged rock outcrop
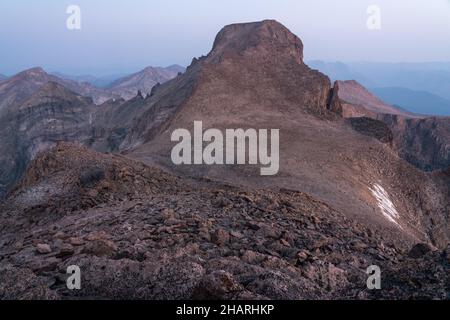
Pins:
x,y
143,81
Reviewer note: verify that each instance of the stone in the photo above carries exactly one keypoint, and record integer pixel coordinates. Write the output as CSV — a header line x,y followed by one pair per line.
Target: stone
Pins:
x,y
43,248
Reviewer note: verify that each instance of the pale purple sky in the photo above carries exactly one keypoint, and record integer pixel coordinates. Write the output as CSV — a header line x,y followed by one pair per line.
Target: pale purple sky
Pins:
x,y
124,36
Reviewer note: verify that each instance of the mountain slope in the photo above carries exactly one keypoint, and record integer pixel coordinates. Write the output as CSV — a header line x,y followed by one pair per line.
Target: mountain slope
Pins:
x,y
422,141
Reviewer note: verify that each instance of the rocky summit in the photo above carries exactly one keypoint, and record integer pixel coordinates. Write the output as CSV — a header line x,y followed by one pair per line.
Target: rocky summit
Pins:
x,y
360,184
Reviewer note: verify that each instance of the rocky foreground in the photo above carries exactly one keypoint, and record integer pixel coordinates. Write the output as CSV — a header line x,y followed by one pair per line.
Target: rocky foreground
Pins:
x,y
137,232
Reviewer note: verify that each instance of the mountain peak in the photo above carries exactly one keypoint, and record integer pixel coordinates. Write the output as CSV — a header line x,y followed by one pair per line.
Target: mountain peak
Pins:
x,y
263,38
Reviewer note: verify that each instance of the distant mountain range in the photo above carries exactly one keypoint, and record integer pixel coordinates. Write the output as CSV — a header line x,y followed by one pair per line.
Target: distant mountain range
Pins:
x,y
143,80
2,77
417,87
415,101
421,140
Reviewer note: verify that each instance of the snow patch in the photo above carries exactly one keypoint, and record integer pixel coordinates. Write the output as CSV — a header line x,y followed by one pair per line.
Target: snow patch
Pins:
x,y
385,204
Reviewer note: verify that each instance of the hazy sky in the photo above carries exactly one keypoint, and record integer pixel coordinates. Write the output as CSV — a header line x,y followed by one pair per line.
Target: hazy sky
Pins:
x,y
120,36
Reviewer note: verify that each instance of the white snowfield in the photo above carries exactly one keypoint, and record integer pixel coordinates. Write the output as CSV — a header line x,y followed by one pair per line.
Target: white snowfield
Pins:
x,y
385,204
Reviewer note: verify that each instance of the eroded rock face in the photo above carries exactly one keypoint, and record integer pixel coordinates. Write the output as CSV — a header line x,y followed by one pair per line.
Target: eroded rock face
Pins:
x,y
425,143
354,94
252,68
422,141
24,84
